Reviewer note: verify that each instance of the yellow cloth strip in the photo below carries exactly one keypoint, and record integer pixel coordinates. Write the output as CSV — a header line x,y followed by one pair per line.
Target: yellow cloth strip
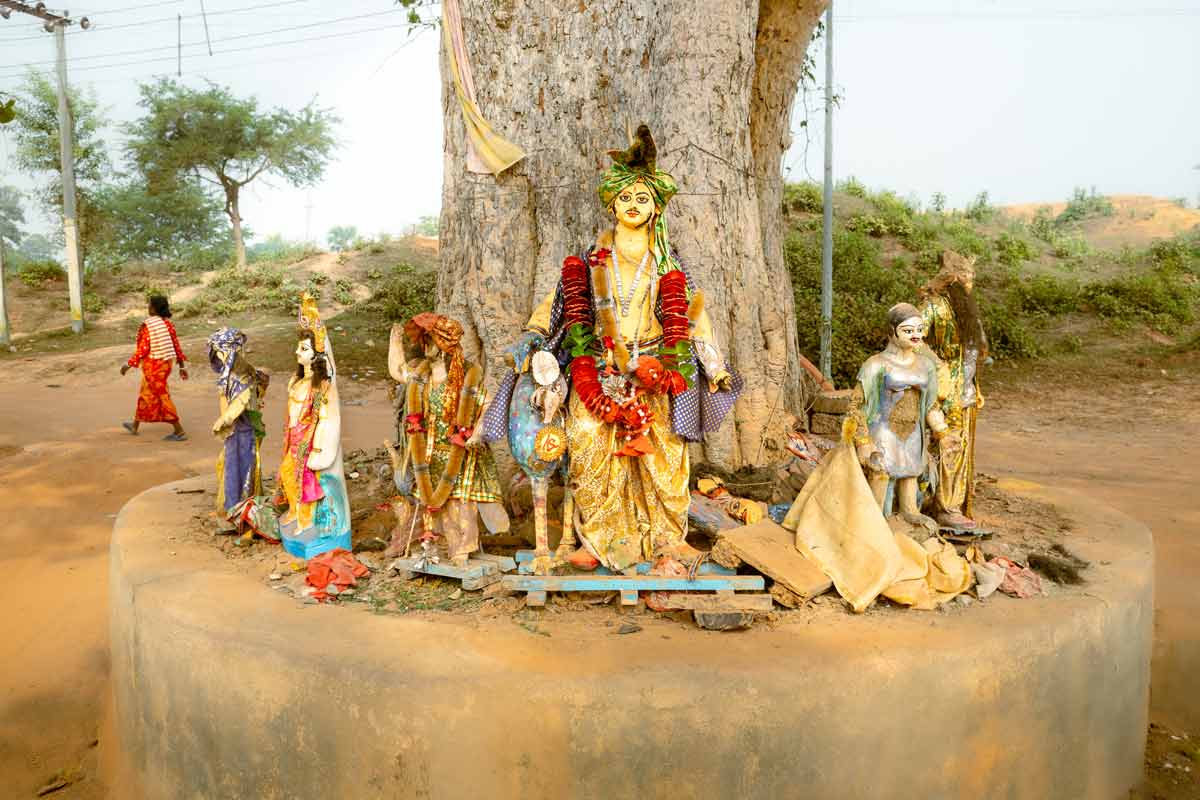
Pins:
x,y
493,150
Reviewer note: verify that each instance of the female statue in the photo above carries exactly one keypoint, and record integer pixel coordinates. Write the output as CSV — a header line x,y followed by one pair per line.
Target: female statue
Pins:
x,y
240,389
645,373
895,403
443,467
310,474
954,333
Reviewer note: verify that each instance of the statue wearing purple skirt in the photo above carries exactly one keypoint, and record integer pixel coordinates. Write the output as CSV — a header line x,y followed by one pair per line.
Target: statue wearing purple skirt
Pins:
x,y
240,388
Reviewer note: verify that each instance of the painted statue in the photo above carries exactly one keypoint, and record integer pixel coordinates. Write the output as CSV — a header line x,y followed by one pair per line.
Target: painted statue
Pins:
x,y
537,439
311,482
157,346
895,409
645,374
240,390
954,333
442,468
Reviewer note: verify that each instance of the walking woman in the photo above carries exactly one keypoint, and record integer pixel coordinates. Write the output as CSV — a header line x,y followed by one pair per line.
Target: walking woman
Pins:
x,y
157,345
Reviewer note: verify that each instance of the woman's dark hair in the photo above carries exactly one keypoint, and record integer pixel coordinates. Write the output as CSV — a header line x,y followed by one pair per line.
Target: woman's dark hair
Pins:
x,y
320,365
159,306
898,313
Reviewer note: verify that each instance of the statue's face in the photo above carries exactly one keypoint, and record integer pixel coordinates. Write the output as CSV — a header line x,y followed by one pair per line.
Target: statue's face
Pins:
x,y
634,206
967,280
305,353
910,333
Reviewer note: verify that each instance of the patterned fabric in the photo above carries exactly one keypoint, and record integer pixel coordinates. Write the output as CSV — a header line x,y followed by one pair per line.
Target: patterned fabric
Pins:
x,y
238,473
156,339
694,413
154,402
627,507
224,348
478,480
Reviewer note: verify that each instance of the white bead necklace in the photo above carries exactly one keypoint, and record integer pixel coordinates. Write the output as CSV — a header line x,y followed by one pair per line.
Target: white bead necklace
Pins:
x,y
626,301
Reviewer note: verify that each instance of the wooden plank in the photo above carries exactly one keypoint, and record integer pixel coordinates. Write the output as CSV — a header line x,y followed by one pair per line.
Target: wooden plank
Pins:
x,y
525,557
535,599
687,601
471,584
444,569
503,563
771,549
644,583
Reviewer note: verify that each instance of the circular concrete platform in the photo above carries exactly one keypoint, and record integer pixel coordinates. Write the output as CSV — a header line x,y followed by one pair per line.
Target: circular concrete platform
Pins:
x,y
225,689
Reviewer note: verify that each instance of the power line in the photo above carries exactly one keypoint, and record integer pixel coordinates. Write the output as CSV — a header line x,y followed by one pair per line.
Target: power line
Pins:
x,y
1040,14
217,41
238,49
101,28
136,8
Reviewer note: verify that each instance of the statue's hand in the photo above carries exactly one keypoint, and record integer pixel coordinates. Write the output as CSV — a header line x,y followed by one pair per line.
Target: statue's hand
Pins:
x,y
870,457
475,440
722,381
950,445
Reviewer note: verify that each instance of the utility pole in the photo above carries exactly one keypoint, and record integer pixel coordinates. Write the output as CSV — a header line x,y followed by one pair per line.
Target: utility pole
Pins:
x,y
5,339
827,229
57,24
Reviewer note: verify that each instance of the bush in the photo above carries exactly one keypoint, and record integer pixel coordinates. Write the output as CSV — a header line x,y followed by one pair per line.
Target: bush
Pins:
x,y
1013,250
36,274
1163,297
864,291
805,197
1085,205
406,291
980,209
853,187
261,287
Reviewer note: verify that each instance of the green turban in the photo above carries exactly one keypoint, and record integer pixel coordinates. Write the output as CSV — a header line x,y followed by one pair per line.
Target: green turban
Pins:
x,y
638,164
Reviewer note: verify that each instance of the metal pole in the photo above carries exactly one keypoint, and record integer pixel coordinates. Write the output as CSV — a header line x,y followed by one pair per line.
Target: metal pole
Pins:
x,y
67,152
5,340
827,229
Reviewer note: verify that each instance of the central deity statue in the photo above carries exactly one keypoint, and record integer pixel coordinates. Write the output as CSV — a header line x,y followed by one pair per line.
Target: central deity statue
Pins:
x,y
645,374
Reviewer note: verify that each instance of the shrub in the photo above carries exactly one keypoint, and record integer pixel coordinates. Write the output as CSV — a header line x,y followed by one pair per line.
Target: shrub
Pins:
x,y
853,187
1012,250
805,197
980,209
1085,205
36,274
406,291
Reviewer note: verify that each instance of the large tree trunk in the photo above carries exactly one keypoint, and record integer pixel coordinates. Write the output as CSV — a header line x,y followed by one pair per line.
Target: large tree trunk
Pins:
x,y
715,82
235,218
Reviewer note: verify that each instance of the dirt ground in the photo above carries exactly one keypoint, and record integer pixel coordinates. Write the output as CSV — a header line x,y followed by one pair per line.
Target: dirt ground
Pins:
x,y
1117,429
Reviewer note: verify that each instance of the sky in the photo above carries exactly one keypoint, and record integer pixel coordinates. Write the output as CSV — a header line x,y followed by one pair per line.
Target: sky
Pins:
x,y
1024,101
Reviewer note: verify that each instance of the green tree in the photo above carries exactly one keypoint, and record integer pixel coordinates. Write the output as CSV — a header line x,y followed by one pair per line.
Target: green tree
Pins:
x,y
426,226
227,141
12,217
180,223
340,237
8,108
37,150
36,247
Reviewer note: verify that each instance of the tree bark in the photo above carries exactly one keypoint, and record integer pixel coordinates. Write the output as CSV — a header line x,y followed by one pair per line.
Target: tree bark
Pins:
x,y
715,82
235,218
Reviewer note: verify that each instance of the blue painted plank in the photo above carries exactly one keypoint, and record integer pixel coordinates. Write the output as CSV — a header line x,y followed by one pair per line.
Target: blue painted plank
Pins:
x,y
615,583
524,557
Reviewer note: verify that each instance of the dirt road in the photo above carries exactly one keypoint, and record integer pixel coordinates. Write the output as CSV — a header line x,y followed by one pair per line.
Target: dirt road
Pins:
x,y
68,468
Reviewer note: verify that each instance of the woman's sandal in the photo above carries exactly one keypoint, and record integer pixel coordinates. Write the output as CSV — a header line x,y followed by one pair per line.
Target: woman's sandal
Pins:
x,y
175,437
129,427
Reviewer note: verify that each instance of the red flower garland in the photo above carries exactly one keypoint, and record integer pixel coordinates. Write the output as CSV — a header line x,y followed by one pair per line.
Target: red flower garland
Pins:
x,y
577,303
672,290
632,415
